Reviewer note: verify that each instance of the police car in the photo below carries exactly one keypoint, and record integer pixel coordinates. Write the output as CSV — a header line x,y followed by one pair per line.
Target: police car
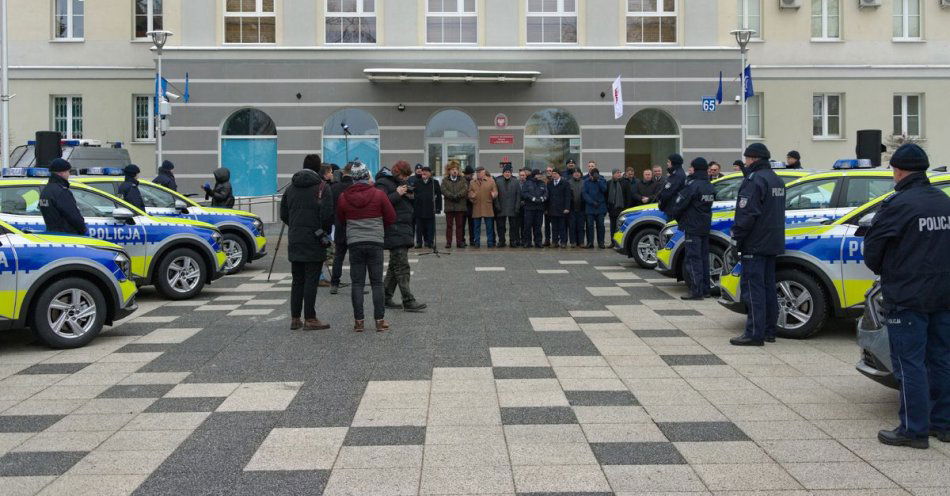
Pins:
x,y
178,256
64,288
639,227
821,273
819,197
243,232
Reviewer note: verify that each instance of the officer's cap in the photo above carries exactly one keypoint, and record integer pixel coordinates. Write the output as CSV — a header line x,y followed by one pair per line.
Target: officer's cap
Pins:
x,y
676,159
794,154
59,165
699,163
757,150
910,157
131,170
167,165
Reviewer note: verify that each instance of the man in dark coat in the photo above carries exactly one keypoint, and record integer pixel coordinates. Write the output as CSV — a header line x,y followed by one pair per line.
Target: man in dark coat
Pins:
x,y
307,209
427,204
645,189
595,206
57,204
578,224
534,193
222,195
559,207
692,210
339,230
129,189
166,177
759,233
907,245
455,195
619,194
506,207
399,236
674,183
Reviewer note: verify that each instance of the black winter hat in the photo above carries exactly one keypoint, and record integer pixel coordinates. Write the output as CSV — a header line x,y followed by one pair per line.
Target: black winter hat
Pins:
x,y
700,164
312,162
59,165
794,154
910,157
167,165
468,170
676,159
757,150
536,172
131,170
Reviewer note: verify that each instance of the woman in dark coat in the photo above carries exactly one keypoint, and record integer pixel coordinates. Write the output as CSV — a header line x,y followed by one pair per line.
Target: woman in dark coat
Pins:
x,y
307,209
221,195
129,189
166,177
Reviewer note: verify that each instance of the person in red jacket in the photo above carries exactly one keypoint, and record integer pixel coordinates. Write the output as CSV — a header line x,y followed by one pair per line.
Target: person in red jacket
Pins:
x,y
365,212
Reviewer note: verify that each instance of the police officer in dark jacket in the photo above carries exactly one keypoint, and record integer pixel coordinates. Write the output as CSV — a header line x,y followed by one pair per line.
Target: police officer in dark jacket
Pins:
x,y
398,236
559,207
534,193
907,244
129,189
166,177
60,213
339,230
759,233
692,209
674,182
793,160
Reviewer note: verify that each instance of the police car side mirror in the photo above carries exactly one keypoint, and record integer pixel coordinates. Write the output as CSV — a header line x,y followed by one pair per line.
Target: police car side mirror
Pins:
x,y
864,224
181,206
123,214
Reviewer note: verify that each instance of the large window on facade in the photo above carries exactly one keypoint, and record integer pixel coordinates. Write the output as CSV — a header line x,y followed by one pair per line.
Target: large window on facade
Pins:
x,y
67,116
68,17
651,21
907,115
650,136
750,16
249,21
552,21
451,21
826,19
826,115
351,135
351,21
551,137
148,17
249,151
753,116
907,19
143,123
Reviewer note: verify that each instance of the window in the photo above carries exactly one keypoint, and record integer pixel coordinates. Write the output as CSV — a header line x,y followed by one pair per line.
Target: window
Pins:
x,y
750,16
93,204
753,116
826,116
351,21
864,189
68,19
142,121
67,116
825,20
551,137
651,21
451,21
810,195
362,144
907,115
156,198
552,21
727,189
20,200
249,21
907,19
148,17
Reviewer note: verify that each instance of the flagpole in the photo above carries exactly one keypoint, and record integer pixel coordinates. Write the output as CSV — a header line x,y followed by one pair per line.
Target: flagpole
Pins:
x,y
742,38
158,121
5,89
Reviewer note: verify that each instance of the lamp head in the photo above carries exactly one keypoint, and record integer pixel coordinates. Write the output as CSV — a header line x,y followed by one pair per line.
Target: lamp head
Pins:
x,y
743,36
159,38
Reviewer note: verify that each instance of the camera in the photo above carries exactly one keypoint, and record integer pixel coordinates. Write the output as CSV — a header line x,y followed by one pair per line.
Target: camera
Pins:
x,y
323,238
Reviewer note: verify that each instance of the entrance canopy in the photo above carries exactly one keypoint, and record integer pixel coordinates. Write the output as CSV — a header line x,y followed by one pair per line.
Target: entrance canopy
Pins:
x,y
449,76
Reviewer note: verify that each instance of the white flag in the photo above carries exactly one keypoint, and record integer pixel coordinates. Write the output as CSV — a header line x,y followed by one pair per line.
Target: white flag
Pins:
x,y
618,98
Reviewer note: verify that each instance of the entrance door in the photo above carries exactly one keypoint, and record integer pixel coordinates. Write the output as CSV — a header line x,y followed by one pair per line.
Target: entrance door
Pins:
x,y
440,152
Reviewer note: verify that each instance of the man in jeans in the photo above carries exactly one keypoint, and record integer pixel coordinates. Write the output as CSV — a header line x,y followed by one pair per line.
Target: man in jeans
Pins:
x,y
455,193
365,212
398,237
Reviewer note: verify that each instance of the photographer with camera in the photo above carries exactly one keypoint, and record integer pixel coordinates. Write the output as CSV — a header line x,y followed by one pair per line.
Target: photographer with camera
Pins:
x,y
399,235
307,209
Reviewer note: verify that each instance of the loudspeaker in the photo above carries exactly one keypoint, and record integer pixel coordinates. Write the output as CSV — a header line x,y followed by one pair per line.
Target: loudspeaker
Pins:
x,y
47,148
869,146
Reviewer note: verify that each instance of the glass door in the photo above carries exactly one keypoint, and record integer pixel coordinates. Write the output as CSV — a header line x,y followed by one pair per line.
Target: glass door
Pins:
x,y
440,151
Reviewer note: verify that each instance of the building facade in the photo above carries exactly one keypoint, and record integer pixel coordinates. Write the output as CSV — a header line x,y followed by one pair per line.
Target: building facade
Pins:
x,y
479,81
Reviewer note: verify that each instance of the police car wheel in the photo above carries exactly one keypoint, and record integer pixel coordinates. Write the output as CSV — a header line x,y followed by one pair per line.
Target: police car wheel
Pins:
x,y
181,274
69,313
237,254
802,307
644,246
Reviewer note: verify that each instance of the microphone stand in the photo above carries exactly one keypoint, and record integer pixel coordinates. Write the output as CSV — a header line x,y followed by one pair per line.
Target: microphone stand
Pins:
x,y
279,238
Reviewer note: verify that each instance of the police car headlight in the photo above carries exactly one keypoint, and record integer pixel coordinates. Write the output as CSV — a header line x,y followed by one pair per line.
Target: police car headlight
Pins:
x,y
259,226
666,234
125,265
216,238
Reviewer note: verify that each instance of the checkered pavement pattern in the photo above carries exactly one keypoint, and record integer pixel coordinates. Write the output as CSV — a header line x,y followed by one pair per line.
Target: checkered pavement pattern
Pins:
x,y
533,372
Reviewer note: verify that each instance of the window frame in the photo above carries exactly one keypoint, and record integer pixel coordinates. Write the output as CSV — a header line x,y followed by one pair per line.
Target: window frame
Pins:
x,y
744,17
459,12
825,115
70,23
150,117
760,100
905,114
825,25
559,14
659,13
360,12
905,21
70,117
258,13
150,19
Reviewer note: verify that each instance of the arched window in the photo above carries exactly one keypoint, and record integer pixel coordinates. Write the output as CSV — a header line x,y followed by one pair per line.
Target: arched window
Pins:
x,y
249,151
551,137
350,135
651,135
451,135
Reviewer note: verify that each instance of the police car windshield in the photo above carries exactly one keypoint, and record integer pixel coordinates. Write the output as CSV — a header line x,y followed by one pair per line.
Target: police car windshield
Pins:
x,y
810,195
727,189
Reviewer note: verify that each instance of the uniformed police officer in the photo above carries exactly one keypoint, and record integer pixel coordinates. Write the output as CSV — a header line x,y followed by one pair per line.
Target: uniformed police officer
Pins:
x,y
129,189
907,244
165,176
793,160
759,233
57,204
692,209
674,182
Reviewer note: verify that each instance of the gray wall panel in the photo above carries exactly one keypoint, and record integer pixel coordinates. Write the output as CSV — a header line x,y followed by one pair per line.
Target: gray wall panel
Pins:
x,y
198,25
698,17
502,23
400,22
602,28
300,18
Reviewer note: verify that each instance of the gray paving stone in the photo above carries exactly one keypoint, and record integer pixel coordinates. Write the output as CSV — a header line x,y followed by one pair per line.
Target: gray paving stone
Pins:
x,y
601,398
659,333
523,373
280,483
136,391
702,431
643,453
184,405
678,313
538,415
53,368
144,348
27,423
385,436
692,360
26,463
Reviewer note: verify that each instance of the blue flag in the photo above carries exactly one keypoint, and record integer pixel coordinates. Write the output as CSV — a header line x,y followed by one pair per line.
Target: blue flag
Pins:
x,y
749,91
156,95
187,95
719,91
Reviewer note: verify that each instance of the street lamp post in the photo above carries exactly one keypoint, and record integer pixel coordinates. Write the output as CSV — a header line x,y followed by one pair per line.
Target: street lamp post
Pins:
x,y
159,38
743,36
5,88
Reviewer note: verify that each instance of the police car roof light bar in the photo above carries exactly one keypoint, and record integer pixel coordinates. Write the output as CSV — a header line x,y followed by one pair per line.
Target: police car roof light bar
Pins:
x,y
25,172
853,163
101,171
